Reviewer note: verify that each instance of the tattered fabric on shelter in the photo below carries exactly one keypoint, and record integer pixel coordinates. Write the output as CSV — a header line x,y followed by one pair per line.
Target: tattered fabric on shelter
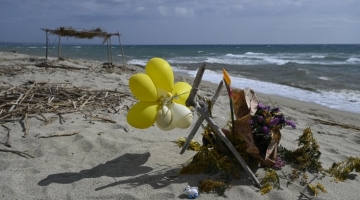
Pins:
x,y
84,34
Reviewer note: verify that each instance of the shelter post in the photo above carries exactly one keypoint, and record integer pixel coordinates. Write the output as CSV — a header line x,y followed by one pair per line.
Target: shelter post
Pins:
x,y
122,51
59,47
47,44
111,55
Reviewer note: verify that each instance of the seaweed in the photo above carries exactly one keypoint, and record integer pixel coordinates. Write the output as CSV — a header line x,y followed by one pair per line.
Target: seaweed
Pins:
x,y
271,180
211,161
307,156
314,189
341,170
211,186
194,145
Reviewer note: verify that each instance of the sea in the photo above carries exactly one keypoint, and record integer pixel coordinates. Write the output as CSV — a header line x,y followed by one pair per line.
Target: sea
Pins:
x,y
325,74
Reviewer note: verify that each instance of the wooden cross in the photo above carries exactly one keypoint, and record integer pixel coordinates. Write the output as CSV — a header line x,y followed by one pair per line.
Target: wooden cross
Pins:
x,y
201,109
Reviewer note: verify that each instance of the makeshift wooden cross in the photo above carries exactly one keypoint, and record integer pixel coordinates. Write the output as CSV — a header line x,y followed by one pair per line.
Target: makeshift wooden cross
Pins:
x,y
201,109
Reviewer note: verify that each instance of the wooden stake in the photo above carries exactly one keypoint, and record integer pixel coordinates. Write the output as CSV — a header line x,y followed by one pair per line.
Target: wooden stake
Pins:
x,y
59,135
26,125
21,153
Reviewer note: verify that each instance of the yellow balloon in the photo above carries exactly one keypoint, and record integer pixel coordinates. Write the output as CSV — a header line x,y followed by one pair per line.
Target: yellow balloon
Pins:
x,y
161,73
142,115
181,90
143,87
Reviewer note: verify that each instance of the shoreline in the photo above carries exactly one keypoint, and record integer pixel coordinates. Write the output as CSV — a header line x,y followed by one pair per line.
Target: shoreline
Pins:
x,y
112,160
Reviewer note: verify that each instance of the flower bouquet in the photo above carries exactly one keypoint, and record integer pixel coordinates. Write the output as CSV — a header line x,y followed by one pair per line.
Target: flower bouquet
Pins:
x,y
258,125
266,124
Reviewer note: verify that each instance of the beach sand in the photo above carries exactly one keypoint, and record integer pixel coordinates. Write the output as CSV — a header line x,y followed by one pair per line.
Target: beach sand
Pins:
x,y
112,160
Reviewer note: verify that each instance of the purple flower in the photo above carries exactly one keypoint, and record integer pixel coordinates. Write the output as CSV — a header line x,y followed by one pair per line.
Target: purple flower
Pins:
x,y
262,106
260,118
265,130
274,121
279,163
290,123
275,110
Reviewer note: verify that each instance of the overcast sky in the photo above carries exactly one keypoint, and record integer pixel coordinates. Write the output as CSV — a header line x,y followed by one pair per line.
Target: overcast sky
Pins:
x,y
187,21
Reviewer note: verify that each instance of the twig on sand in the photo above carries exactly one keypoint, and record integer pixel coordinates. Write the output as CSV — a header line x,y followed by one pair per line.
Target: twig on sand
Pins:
x,y
7,142
26,125
59,135
306,196
21,153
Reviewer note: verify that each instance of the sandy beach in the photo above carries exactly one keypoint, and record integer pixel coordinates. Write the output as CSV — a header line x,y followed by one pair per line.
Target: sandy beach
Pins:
x,y
103,157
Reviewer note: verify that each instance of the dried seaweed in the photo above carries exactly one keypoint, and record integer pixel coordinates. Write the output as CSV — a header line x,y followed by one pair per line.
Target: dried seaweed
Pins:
x,y
194,145
211,186
213,156
307,156
341,170
86,34
271,180
331,123
314,189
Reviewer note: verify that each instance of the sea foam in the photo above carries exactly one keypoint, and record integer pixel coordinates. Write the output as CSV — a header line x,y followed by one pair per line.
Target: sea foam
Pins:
x,y
347,100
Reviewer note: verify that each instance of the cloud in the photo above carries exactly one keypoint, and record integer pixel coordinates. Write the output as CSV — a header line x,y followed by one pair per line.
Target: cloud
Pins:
x,y
188,21
184,12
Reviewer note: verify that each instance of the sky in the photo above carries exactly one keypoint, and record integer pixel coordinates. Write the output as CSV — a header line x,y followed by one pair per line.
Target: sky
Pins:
x,y
187,21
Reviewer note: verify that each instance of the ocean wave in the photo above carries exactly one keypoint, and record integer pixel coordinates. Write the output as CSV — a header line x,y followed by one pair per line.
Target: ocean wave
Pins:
x,y
317,56
137,62
254,54
306,71
325,78
347,100
353,60
276,61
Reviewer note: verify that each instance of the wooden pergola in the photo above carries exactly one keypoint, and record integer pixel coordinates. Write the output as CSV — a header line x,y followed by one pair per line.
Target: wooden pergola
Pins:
x,y
84,34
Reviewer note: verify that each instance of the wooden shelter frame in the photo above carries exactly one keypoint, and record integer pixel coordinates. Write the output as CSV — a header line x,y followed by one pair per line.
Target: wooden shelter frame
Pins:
x,y
84,34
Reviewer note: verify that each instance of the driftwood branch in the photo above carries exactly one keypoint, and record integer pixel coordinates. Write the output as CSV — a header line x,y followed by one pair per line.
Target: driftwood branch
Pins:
x,y
21,153
47,65
306,196
7,142
59,135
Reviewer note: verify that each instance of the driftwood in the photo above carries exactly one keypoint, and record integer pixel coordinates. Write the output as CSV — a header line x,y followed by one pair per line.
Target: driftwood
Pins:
x,y
7,143
47,65
21,153
58,135
40,98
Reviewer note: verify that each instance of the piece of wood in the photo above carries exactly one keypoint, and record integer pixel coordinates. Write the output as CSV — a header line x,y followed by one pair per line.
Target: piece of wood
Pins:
x,y
201,119
21,153
26,125
58,135
16,103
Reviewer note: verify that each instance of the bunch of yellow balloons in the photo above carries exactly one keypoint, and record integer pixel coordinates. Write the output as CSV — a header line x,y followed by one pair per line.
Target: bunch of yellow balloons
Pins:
x,y
160,100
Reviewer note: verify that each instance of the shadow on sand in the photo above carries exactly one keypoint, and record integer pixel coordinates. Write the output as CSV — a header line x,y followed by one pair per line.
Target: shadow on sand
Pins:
x,y
125,165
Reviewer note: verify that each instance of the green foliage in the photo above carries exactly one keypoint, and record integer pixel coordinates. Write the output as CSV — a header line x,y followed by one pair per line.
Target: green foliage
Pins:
x,y
314,189
210,186
210,160
213,157
271,180
194,145
307,156
341,170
